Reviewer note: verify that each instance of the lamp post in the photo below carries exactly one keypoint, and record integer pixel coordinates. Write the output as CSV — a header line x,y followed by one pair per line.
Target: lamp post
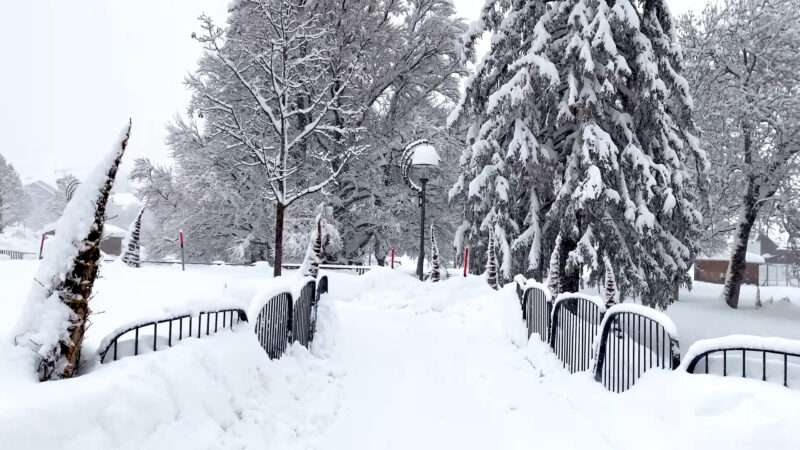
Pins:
x,y
421,157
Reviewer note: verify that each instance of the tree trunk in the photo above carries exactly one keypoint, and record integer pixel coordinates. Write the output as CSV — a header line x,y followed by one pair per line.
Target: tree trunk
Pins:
x,y
570,279
738,261
279,211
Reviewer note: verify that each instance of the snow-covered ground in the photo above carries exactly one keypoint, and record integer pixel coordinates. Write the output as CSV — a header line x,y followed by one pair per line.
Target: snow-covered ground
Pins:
x,y
396,364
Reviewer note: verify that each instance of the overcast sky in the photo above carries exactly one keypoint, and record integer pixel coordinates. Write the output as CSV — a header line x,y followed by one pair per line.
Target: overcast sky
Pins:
x,y
74,71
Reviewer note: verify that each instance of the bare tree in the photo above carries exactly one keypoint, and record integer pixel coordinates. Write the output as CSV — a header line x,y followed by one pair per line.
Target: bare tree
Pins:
x,y
266,87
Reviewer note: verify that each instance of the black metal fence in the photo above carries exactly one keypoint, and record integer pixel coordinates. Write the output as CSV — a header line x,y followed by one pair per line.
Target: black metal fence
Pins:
x,y
274,324
537,309
15,255
322,288
630,344
358,270
155,335
303,310
575,321
766,364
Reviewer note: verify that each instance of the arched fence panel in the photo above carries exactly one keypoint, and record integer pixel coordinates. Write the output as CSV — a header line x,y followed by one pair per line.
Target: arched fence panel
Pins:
x,y
634,339
322,288
774,360
154,335
519,286
575,321
303,311
273,325
537,307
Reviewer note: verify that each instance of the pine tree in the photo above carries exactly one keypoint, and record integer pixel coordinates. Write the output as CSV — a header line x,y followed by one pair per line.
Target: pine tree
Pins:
x,y
435,264
611,293
491,261
55,316
580,124
553,275
314,254
133,242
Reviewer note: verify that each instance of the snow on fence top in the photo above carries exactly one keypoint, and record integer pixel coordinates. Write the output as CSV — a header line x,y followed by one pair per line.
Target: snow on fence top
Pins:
x,y
292,285
650,313
531,283
599,302
740,341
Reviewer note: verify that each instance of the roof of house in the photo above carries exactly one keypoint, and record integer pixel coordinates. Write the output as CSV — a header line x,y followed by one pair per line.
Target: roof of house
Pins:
x,y
750,258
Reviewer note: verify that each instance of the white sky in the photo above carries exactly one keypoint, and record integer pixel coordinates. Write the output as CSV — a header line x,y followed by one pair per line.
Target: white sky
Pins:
x,y
74,71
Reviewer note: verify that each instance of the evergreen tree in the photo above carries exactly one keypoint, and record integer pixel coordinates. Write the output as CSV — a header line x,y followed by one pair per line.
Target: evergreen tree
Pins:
x,y
611,293
132,246
588,132
14,205
491,261
435,264
553,276
314,251
54,319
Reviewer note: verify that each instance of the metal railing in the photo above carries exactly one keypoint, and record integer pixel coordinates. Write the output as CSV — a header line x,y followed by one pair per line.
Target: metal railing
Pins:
x,y
537,309
322,288
185,326
575,322
273,325
358,270
633,340
15,255
767,362
303,310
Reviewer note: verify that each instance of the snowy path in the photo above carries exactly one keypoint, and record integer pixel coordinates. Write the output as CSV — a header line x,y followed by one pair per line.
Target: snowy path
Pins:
x,y
424,371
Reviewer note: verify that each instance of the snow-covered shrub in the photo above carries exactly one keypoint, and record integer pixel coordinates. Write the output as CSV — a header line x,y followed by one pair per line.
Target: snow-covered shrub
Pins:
x,y
132,246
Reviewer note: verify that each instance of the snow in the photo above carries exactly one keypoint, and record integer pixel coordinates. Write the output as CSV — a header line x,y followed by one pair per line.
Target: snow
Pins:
x,y
750,257
396,363
601,304
424,155
658,316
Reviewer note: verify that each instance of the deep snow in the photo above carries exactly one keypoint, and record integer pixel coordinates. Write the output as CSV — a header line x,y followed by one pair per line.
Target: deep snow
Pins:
x,y
396,364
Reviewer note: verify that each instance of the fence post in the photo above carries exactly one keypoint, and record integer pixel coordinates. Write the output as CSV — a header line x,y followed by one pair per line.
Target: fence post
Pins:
x,y
183,254
41,246
466,261
392,257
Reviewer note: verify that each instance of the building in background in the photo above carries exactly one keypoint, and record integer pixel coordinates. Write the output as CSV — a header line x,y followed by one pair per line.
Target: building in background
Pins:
x,y
712,269
781,265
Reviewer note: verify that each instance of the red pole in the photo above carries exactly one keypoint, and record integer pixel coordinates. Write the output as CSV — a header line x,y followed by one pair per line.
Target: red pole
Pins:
x,y
392,257
41,246
466,260
183,254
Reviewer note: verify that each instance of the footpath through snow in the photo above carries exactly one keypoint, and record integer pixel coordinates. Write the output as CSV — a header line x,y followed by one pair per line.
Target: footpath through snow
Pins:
x,y
397,364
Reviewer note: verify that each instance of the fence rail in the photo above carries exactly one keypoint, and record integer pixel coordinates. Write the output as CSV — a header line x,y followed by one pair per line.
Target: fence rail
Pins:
x,y
185,326
358,270
633,340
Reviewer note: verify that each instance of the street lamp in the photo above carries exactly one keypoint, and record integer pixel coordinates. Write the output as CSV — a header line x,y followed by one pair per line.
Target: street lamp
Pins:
x,y
420,156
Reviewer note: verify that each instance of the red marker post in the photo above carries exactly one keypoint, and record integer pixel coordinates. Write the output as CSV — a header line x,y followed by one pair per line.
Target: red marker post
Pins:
x,y
391,253
466,261
183,254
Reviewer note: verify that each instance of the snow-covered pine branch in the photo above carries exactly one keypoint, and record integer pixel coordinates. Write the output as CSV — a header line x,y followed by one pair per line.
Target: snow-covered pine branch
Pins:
x,y
54,318
436,268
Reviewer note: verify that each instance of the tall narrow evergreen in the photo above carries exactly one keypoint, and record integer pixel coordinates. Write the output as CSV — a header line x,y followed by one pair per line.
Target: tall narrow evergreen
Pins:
x,y
435,263
611,293
133,243
54,318
553,276
315,248
580,124
491,261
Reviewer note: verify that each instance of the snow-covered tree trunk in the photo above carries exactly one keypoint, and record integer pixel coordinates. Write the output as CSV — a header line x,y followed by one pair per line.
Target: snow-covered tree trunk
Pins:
x,y
738,261
435,263
53,321
132,254
491,262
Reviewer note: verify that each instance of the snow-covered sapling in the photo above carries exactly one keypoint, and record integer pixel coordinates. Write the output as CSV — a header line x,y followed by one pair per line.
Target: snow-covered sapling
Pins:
x,y
314,252
54,318
436,274
132,246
